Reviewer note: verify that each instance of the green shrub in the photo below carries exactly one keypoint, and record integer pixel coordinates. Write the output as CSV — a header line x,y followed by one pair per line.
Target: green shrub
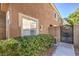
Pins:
x,y
28,45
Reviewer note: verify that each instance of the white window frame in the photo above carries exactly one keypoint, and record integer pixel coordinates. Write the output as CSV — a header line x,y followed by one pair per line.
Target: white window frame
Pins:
x,y
21,15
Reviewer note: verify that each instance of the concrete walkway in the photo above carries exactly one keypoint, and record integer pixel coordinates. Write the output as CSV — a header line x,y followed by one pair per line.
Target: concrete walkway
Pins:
x,y
64,49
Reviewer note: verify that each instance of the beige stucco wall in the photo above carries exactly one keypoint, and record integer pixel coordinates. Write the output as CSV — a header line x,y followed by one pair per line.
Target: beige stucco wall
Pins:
x,y
76,35
58,34
55,31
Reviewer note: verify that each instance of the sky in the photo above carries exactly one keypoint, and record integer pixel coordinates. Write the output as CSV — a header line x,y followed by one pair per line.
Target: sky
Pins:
x,y
66,8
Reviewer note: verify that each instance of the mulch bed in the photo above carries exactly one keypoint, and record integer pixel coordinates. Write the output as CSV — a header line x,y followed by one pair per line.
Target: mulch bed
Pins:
x,y
49,52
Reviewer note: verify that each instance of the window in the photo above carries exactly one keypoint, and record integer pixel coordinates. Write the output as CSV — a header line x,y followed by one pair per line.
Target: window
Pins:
x,y
54,15
33,26
29,25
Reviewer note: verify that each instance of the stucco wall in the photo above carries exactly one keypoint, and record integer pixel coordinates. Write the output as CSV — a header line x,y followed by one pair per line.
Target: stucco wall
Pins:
x,y
76,35
58,34
42,12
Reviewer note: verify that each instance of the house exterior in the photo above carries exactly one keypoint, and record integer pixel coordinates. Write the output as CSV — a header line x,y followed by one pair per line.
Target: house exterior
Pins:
x,y
29,19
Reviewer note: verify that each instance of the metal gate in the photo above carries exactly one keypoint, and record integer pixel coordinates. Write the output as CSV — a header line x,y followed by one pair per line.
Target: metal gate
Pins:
x,y
67,34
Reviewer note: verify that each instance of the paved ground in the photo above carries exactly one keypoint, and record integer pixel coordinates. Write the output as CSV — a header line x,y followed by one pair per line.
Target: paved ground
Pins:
x,y
64,49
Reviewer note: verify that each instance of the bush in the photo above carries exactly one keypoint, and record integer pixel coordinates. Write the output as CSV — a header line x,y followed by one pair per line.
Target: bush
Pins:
x,y
29,45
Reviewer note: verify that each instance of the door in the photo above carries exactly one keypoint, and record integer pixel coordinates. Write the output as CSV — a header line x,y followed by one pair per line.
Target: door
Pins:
x,y
2,25
29,27
67,34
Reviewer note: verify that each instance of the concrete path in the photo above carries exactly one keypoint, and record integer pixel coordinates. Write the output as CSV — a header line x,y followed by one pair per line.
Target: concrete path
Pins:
x,y
64,49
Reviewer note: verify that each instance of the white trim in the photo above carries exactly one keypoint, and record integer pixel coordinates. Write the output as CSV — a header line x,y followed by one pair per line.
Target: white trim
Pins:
x,y
7,23
20,21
